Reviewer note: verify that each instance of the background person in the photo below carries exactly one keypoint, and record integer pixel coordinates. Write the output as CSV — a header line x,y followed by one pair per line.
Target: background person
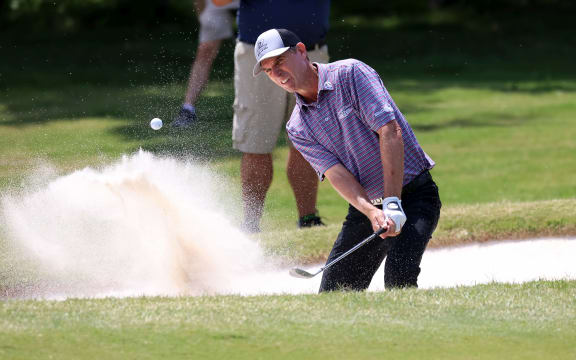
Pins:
x,y
216,24
261,108
350,130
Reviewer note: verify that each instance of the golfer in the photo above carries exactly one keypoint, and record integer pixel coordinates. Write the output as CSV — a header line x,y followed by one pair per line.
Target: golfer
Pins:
x,y
349,129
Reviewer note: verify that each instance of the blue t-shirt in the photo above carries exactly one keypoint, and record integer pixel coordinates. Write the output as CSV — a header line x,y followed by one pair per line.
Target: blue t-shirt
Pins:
x,y
306,18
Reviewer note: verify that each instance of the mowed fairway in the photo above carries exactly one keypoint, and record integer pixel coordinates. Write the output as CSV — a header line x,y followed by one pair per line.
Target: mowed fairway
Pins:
x,y
529,321
488,102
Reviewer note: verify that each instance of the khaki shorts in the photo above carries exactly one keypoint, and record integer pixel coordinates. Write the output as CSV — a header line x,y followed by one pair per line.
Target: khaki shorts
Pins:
x,y
261,108
216,23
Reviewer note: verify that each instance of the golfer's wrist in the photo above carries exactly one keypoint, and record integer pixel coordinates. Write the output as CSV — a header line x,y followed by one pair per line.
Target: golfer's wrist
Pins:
x,y
376,217
366,208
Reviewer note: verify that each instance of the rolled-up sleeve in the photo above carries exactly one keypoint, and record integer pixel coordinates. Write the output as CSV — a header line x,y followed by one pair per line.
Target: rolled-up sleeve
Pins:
x,y
370,97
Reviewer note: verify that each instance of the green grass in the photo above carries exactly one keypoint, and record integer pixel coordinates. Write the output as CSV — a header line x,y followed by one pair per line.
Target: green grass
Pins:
x,y
500,127
529,321
491,98
463,224
496,117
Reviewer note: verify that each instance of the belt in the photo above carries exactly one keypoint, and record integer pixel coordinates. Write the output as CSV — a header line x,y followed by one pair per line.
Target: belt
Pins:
x,y
421,179
315,46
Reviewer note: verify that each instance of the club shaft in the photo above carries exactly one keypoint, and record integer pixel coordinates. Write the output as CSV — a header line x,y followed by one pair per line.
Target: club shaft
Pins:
x,y
356,247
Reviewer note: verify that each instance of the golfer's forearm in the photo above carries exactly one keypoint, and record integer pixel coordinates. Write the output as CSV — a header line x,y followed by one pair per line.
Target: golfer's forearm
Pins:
x,y
349,188
392,156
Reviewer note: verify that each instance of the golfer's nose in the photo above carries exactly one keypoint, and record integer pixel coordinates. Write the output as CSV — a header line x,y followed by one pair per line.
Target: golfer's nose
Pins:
x,y
277,72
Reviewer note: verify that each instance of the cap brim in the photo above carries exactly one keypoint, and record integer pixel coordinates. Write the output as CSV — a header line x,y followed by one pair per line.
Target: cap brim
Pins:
x,y
280,51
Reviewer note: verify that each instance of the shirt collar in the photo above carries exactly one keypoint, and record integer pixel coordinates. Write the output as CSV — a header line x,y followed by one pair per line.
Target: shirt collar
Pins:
x,y
324,79
324,84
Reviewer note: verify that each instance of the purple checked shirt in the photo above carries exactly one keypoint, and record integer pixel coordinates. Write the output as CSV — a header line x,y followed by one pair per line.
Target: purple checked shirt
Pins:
x,y
340,127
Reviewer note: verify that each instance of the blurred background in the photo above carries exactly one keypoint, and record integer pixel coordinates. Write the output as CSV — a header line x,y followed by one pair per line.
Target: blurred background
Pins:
x,y
489,87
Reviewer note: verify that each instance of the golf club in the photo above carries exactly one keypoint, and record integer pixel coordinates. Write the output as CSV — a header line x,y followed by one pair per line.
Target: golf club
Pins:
x,y
300,273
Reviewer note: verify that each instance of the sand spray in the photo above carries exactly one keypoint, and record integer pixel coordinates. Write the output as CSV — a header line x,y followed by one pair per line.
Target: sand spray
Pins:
x,y
144,225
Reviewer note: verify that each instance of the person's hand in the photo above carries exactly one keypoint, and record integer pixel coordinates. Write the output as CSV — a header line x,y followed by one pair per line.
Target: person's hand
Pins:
x,y
379,221
185,119
392,209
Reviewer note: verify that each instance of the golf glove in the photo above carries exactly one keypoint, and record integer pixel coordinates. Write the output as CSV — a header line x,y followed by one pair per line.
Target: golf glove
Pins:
x,y
392,207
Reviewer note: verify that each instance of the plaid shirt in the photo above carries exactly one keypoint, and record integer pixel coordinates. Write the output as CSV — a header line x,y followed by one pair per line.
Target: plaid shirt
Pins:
x,y
340,127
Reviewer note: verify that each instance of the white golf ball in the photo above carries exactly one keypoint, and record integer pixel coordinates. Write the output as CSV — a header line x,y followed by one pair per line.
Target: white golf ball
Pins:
x,y
156,124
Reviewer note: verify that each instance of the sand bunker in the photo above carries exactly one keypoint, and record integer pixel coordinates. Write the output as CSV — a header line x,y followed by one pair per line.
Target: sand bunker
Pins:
x,y
157,226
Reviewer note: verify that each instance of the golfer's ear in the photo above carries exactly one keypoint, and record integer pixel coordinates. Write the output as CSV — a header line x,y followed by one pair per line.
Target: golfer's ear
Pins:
x,y
301,48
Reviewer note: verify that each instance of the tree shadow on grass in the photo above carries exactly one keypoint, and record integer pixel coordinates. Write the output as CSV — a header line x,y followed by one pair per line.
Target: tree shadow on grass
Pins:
x,y
205,141
66,103
484,120
132,79
508,85
109,74
501,58
209,138
133,108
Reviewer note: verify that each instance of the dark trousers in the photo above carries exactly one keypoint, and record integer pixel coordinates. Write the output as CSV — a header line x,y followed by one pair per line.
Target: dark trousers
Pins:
x,y
403,253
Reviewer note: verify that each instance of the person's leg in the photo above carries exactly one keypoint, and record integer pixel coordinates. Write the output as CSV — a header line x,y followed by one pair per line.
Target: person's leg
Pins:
x,y
256,173
422,208
200,71
304,182
259,110
215,26
355,271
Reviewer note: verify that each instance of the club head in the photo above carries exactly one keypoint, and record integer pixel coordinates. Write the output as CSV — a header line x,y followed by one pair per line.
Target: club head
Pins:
x,y
299,273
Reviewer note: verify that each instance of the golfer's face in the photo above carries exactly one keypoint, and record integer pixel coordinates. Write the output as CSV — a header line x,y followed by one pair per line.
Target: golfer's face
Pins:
x,y
285,70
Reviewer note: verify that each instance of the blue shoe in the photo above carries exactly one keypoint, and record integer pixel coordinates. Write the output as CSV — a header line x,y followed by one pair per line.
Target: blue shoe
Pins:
x,y
185,119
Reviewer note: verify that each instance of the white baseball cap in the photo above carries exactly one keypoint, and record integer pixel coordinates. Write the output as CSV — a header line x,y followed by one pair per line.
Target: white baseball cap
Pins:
x,y
272,43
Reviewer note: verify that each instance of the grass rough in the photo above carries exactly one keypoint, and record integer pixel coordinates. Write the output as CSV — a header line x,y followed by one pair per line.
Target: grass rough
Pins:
x,y
528,321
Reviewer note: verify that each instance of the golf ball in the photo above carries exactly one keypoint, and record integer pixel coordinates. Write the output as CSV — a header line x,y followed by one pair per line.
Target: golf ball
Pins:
x,y
156,124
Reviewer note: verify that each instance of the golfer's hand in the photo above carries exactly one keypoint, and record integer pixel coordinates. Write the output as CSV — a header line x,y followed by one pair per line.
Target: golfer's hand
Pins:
x,y
392,209
380,221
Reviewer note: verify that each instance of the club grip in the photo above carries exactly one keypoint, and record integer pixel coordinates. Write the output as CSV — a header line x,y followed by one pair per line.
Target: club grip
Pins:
x,y
381,231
